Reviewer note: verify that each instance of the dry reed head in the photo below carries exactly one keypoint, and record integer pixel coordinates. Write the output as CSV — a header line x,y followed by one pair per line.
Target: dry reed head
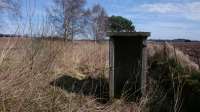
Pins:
x,y
83,58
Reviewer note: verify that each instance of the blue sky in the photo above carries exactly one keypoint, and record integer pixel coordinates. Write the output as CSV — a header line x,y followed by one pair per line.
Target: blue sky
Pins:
x,y
165,19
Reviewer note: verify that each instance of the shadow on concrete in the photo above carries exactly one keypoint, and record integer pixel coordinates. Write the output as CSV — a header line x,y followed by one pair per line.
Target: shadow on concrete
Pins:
x,y
99,88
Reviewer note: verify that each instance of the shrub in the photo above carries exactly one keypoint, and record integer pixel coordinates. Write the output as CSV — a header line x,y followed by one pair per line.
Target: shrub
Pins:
x,y
173,85
192,92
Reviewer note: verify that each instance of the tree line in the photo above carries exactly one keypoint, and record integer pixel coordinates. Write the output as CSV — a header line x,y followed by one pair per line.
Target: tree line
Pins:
x,y
70,19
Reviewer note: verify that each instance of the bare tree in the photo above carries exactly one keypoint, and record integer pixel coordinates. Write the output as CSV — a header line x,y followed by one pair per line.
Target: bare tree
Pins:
x,y
9,9
12,6
67,17
99,22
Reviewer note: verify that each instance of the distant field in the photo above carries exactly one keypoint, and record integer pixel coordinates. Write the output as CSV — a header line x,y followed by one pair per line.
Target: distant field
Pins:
x,y
190,48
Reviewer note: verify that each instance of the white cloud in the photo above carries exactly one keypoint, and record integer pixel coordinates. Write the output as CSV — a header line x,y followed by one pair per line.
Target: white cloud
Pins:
x,y
160,8
3,4
188,10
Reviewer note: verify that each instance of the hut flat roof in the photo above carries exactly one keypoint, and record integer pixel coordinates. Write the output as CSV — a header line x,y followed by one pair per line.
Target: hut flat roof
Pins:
x,y
129,34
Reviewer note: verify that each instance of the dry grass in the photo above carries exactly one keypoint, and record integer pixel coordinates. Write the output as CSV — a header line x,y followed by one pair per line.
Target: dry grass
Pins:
x,y
27,67
83,58
169,70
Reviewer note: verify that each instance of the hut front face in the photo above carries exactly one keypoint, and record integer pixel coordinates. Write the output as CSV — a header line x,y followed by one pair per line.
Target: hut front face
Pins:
x,y
126,63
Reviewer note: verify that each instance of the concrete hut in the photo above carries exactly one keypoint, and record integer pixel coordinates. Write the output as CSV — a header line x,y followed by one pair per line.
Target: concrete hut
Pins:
x,y
128,58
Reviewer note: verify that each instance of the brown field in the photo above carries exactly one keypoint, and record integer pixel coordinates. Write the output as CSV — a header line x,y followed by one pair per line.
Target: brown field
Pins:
x,y
45,75
192,49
